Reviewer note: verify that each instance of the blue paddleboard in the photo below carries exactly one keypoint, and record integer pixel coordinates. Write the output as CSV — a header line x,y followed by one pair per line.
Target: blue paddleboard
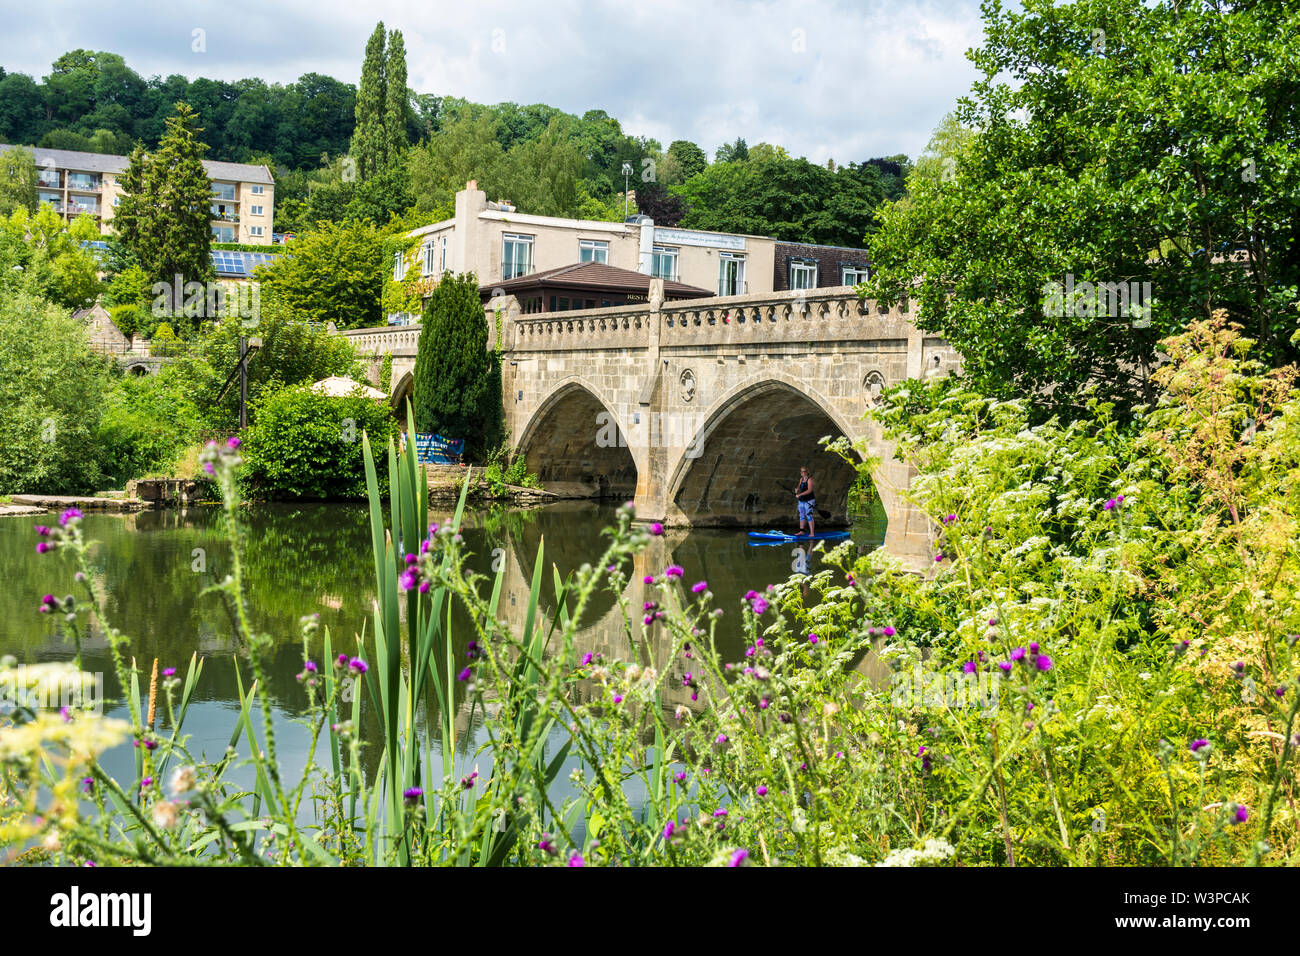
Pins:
x,y
782,536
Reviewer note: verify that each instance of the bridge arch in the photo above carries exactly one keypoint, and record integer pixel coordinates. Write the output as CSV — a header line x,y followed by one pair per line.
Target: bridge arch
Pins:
x,y
403,389
576,444
743,463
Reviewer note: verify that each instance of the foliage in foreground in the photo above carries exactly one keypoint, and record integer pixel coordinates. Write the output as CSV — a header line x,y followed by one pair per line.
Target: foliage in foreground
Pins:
x,y
1114,606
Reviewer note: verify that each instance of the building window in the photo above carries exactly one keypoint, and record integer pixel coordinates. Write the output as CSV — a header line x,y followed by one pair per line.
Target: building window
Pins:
x,y
592,250
223,233
663,262
254,230
516,255
259,190
399,267
257,210
83,182
803,275
426,259
853,275
731,273
223,191
442,265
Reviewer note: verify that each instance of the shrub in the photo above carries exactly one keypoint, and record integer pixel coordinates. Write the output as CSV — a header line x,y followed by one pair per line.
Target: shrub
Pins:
x,y
306,445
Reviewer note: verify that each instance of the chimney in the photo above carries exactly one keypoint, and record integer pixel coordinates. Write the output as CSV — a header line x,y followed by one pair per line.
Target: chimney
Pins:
x,y
471,184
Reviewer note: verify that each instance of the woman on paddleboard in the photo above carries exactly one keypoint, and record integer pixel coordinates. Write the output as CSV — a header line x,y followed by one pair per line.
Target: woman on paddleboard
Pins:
x,y
804,497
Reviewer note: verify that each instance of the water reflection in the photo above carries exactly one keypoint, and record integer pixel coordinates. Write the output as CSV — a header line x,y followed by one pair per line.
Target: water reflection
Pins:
x,y
151,570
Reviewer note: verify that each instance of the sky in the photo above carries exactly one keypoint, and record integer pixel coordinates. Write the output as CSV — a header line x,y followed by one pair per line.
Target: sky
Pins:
x,y
827,79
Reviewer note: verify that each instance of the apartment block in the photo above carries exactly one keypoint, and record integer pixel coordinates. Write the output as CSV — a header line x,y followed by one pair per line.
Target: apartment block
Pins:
x,y
73,183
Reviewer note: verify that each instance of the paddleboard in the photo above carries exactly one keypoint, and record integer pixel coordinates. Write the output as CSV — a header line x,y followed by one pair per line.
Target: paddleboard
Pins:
x,y
782,536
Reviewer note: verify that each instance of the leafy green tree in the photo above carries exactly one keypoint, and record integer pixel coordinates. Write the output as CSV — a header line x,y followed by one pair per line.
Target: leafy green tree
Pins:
x,y
457,378
690,159
22,109
736,152
370,139
790,199
48,258
17,180
333,273
163,217
51,388
1114,142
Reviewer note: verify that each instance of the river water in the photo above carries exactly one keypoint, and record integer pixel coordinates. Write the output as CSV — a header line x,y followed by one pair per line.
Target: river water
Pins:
x,y
150,570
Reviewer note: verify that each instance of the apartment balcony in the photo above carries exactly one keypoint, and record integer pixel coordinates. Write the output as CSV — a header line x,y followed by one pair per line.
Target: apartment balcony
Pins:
x,y
84,186
225,217
77,208
48,181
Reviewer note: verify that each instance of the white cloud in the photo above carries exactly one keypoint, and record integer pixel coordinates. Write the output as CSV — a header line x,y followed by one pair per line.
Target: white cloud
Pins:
x,y
823,78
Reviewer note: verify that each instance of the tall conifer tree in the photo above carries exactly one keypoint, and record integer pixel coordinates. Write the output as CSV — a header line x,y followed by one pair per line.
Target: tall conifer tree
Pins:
x,y
369,140
457,378
395,105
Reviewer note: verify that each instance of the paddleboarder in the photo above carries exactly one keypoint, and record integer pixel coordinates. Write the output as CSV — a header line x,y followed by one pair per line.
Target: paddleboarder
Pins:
x,y
804,497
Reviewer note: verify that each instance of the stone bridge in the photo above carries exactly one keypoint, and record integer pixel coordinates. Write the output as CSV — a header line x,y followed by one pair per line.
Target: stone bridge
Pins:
x,y
704,410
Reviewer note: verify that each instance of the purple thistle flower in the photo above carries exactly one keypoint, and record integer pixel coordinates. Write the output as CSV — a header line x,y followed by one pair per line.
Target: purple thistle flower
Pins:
x,y
1033,647
545,844
1110,504
209,468
1043,662
761,790
649,579
232,442
88,784
72,514
722,739
463,675
358,665
889,631
738,858
758,605
43,546
720,812
576,859
171,671
1198,743
618,698
674,571
1241,815
42,530
412,795
1004,666
146,782
586,658
680,776
699,586
656,529
1017,653
969,667
309,667
812,638
669,829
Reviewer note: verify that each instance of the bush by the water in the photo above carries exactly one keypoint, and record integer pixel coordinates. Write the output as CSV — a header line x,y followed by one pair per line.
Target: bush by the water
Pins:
x,y
306,445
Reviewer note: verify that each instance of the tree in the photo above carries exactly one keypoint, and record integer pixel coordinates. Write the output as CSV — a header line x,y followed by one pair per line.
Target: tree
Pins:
x,y
457,378
51,388
1112,143
22,109
690,158
396,98
332,273
48,258
790,199
163,216
736,152
17,180
370,139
